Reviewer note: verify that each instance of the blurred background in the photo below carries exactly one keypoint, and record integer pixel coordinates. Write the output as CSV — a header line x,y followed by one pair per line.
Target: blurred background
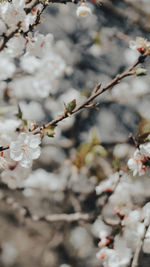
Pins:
x,y
86,148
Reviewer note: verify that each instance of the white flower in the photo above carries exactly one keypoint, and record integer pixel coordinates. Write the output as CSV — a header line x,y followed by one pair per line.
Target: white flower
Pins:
x,y
30,64
120,256
7,67
14,175
108,185
145,149
39,45
25,149
136,163
45,181
139,44
13,12
132,219
15,46
8,127
83,10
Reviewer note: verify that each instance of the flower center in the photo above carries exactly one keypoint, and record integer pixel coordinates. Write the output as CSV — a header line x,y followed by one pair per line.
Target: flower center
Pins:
x,y
24,148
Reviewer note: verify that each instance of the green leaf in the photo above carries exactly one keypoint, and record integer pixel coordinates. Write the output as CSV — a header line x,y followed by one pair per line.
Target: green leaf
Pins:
x,y
94,137
49,131
19,114
100,150
116,163
140,71
71,106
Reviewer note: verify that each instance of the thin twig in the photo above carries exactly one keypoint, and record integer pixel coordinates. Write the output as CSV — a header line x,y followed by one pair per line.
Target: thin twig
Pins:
x,y
63,217
94,95
115,81
73,217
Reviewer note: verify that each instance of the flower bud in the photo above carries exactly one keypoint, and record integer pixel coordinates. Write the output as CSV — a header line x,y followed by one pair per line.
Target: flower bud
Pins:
x,y
83,10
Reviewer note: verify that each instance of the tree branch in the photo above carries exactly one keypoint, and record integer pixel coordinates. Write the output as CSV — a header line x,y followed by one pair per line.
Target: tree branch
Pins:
x,y
116,80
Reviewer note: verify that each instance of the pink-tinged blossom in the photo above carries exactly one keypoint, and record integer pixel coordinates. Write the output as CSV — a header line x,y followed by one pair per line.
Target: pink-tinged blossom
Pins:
x,y
139,44
118,257
108,185
25,149
136,163
39,45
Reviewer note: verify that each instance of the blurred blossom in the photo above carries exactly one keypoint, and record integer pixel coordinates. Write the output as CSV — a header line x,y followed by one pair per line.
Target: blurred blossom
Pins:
x,y
13,177
9,253
32,110
45,180
12,13
121,150
15,46
130,56
7,67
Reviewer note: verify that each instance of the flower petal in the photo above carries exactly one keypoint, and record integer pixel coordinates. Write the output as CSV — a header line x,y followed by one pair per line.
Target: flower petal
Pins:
x,y
15,151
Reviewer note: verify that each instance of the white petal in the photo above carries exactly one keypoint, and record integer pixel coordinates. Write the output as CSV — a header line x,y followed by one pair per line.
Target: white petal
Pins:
x,y
36,153
22,137
26,161
34,141
15,151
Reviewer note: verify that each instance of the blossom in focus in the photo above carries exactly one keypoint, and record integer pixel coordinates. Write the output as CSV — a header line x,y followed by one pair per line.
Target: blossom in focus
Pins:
x,y
139,44
25,149
83,10
136,164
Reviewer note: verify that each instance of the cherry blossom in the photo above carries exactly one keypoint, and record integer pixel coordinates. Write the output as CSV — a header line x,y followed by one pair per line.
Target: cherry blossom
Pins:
x,y
25,149
140,44
12,13
136,163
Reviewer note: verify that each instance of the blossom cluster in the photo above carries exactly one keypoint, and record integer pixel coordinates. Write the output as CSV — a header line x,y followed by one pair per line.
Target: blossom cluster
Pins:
x,y
30,69
117,247
40,63
23,149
